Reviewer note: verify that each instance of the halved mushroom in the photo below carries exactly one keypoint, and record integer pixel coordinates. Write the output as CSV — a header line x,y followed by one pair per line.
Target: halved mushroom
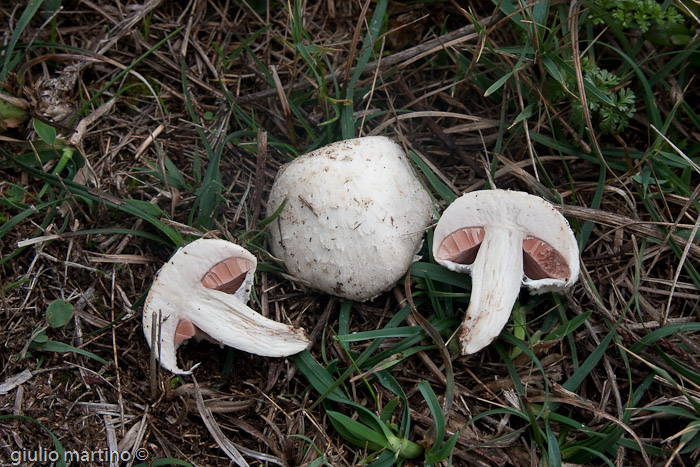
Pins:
x,y
202,291
504,239
353,218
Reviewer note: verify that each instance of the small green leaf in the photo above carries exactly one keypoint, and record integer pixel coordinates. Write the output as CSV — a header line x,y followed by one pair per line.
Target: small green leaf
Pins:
x,y
263,223
388,409
553,449
359,433
145,207
59,313
439,274
10,59
40,338
553,70
399,332
435,455
46,132
690,432
523,115
9,113
173,175
442,190
519,321
567,328
498,84
435,410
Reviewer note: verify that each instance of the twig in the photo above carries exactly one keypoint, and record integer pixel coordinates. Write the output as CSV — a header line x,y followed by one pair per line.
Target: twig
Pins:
x,y
259,177
683,258
82,127
617,221
232,450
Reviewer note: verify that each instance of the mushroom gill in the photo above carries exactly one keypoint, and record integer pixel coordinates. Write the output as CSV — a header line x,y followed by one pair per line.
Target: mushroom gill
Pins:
x,y
541,260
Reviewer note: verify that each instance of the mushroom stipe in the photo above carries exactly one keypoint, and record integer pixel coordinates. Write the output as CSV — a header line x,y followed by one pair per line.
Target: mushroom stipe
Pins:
x,y
226,276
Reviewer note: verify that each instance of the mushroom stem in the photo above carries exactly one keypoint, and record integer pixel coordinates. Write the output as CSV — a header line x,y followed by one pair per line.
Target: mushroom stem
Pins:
x,y
496,278
223,318
254,333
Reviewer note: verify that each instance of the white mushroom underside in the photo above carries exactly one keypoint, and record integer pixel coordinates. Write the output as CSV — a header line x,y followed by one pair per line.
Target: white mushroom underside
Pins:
x,y
202,291
225,276
504,240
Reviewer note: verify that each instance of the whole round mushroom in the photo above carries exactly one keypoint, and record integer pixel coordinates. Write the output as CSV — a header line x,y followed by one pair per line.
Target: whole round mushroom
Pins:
x,y
504,239
353,218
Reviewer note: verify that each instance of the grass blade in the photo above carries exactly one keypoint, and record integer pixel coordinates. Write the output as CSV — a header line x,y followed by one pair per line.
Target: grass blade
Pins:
x,y
8,64
62,347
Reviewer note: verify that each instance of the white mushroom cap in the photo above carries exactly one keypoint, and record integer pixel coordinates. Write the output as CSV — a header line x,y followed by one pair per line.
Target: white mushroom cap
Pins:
x,y
202,291
504,239
354,217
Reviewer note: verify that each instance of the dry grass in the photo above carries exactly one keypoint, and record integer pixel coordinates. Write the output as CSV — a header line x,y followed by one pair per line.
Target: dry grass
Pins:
x,y
243,74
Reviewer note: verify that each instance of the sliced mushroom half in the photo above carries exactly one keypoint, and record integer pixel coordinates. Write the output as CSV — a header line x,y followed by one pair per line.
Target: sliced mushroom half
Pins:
x,y
504,239
202,292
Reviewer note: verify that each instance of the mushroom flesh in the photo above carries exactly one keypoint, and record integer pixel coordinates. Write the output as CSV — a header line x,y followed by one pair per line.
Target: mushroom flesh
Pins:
x,y
353,218
504,239
202,292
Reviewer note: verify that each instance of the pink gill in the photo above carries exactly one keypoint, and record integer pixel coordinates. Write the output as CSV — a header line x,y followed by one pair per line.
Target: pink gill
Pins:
x,y
540,259
227,275
461,246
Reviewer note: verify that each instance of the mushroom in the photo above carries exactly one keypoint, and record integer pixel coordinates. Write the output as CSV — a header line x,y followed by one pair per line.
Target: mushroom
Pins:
x,y
504,239
202,292
353,217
